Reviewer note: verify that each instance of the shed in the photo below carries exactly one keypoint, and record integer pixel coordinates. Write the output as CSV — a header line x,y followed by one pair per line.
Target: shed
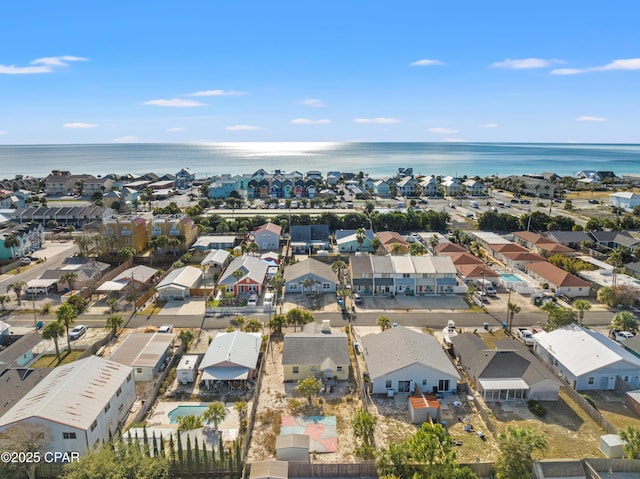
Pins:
x,y
292,448
632,401
612,446
269,470
187,369
421,407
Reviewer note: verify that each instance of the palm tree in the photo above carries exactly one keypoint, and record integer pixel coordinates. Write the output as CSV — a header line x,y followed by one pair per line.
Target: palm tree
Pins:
x,y
12,242
253,325
339,267
396,249
363,424
114,323
384,322
581,305
67,315
361,235
417,249
185,337
512,309
549,307
4,298
68,278
173,243
54,330
17,287
126,253
237,274
253,248
309,284
375,244
215,413
277,322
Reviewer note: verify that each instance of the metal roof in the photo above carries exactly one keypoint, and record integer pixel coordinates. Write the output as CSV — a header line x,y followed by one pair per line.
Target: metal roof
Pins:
x,y
233,349
185,277
143,350
73,394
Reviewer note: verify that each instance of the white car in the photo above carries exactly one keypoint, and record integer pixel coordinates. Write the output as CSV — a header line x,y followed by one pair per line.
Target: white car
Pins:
x,y
77,331
167,328
622,335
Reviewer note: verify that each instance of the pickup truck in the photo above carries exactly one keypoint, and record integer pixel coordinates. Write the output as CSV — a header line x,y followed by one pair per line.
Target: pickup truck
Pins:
x,y
526,336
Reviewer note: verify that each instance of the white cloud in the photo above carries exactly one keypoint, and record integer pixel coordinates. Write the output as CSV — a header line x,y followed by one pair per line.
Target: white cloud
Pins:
x,y
79,125
3,132
591,118
425,63
174,102
41,65
218,93
242,128
454,140
525,63
313,102
306,121
489,125
125,139
623,64
442,130
178,128
379,120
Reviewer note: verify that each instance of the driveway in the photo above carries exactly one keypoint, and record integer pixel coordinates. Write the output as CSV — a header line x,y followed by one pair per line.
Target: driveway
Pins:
x,y
189,306
400,303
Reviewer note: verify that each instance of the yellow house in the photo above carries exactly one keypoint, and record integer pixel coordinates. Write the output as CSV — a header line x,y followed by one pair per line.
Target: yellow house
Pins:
x,y
175,226
126,231
317,351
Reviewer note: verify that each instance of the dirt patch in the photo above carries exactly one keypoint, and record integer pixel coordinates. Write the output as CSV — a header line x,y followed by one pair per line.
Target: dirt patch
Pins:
x,y
611,406
277,399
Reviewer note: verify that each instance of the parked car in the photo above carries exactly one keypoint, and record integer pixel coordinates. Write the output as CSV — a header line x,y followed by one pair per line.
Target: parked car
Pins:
x,y
77,331
622,335
25,260
167,328
253,300
357,298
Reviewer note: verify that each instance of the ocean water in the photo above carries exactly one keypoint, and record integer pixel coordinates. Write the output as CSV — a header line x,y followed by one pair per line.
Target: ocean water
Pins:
x,y
377,159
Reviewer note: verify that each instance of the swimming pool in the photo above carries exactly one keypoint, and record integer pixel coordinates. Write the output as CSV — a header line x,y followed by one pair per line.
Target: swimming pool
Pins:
x,y
185,411
510,278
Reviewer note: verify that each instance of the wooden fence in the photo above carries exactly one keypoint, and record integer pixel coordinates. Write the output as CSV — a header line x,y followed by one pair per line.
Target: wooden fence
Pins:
x,y
590,410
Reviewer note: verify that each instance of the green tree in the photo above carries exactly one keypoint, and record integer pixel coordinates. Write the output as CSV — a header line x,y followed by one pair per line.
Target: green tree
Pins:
x,y
23,438
126,253
114,323
607,296
560,318
631,436
361,235
253,247
277,322
68,277
581,305
4,298
517,446
17,287
185,337
122,460
376,244
625,321
188,422
340,268
309,284
512,309
54,330
253,325
417,249
215,413
11,242
433,242
363,424
396,249
67,315
384,322
549,307
298,317
308,388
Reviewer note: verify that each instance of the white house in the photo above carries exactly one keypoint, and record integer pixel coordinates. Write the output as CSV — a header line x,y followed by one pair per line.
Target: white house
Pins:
x,y
399,359
625,200
146,353
230,357
267,236
586,359
177,284
78,405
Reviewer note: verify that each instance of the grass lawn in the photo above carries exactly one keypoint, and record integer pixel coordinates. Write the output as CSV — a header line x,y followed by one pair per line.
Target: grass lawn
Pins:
x,y
51,361
152,309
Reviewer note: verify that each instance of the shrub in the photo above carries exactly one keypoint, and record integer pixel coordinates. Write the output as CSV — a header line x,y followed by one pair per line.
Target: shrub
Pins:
x,y
590,400
536,408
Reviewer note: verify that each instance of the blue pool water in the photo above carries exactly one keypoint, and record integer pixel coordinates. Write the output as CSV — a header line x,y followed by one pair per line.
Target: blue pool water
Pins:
x,y
510,278
185,411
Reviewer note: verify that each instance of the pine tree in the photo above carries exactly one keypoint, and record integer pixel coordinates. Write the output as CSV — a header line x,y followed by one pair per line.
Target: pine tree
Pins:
x,y
172,450
196,456
180,456
145,442
221,451
162,445
189,454
205,460
155,444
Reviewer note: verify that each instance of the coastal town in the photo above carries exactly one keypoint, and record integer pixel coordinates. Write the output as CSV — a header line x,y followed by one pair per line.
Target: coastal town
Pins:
x,y
321,323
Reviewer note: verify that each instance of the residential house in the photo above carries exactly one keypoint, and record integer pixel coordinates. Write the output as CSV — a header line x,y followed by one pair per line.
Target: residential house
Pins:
x,y
126,231
430,186
389,238
542,244
225,242
147,353
216,260
309,238
587,360
79,406
382,189
448,247
64,183
498,251
77,216
184,178
317,351
295,276
180,227
347,241
401,359
178,283
88,271
244,275
600,176
507,372
141,276
231,358
555,278
614,239
361,274
519,260
572,239
452,186
223,186
30,237
314,175
625,200
267,237
408,186
474,188
434,274
404,275
382,275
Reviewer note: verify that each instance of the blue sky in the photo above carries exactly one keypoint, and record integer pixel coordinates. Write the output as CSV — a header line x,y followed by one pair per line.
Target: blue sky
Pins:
x,y
214,71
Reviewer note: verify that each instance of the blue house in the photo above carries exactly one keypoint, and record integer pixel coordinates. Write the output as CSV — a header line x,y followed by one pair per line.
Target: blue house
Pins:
x,y
223,187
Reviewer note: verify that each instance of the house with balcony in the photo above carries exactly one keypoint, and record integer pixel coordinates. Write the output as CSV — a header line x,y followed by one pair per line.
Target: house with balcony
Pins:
x,y
223,186
452,186
383,274
361,274
382,189
181,227
474,188
434,275
126,231
184,178
389,238
408,187
430,186
64,183
309,238
403,275
542,244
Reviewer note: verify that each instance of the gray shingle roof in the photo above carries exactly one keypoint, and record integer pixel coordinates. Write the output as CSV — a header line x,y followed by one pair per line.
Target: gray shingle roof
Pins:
x,y
313,348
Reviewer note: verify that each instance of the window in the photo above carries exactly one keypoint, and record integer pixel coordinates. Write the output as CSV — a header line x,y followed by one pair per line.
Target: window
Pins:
x,y
119,391
94,425
364,275
443,385
591,380
68,435
107,407
626,379
424,382
296,370
339,369
326,286
406,275
293,286
388,384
